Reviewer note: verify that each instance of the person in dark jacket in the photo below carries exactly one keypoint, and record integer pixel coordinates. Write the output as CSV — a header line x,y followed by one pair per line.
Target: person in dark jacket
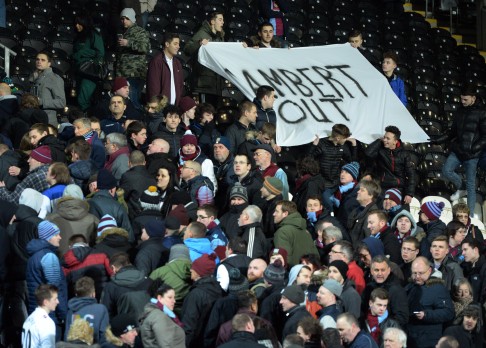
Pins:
x,y
165,71
430,305
248,178
252,233
204,127
429,215
467,139
103,202
151,252
309,183
469,333
44,267
264,100
450,269
351,335
171,129
393,164
238,201
247,118
85,305
291,301
112,239
127,292
243,330
377,224
344,199
223,166
135,181
235,257
9,158
82,127
200,299
332,153
474,267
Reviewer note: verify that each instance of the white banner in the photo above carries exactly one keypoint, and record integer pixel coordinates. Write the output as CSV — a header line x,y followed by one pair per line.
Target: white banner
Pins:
x,y
317,87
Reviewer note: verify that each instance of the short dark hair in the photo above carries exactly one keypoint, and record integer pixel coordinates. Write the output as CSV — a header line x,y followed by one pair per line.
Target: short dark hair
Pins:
x,y
203,108
121,259
308,165
81,148
245,106
264,24
452,227
213,15
395,131
44,292
135,127
469,89
209,209
382,216
238,245
391,55
84,287
354,33
264,90
172,109
380,259
473,243
340,129
46,53
412,240
448,342
239,322
198,229
380,293
169,37
246,298
61,172
163,289
287,206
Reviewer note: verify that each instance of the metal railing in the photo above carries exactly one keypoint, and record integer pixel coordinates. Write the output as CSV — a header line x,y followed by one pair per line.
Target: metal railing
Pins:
x,y
7,53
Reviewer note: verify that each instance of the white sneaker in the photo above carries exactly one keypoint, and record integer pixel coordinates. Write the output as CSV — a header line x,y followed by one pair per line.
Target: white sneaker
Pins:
x,y
458,194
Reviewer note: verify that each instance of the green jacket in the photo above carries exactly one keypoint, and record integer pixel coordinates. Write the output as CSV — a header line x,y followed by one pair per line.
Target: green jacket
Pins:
x,y
131,59
177,274
292,235
91,48
207,80
158,330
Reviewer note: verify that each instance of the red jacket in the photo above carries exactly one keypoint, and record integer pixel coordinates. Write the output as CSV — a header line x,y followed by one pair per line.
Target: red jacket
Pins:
x,y
356,274
158,77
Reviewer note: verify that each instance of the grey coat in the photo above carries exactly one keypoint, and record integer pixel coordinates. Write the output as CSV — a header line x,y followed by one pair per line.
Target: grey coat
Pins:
x,y
49,87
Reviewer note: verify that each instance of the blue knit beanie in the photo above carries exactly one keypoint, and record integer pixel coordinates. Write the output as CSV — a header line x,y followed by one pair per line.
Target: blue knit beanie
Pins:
x,y
352,168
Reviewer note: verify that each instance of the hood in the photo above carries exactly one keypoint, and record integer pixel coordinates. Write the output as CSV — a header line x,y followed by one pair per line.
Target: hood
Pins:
x,y
294,272
23,212
36,245
75,256
375,246
81,170
435,278
112,231
410,217
72,209
207,28
295,220
76,303
129,277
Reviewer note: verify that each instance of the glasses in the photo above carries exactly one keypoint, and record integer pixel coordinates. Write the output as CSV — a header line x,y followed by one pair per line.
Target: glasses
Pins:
x,y
408,250
258,154
202,217
414,274
240,162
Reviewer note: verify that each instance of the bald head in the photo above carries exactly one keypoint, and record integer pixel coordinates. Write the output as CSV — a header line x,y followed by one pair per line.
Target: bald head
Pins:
x,y
5,89
256,269
158,146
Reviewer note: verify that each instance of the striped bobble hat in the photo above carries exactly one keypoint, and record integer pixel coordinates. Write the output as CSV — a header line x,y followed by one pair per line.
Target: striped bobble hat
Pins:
x,y
47,230
432,209
395,195
106,222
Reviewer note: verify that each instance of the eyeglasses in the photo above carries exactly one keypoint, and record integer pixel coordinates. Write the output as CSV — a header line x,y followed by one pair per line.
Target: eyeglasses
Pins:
x,y
243,163
202,217
258,154
414,274
408,250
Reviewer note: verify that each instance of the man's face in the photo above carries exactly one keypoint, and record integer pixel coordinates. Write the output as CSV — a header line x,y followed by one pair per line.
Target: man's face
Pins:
x,y
336,254
186,172
42,62
388,204
420,272
335,274
241,166
123,92
55,240
470,254
172,121
154,147
375,224
389,141
439,250
33,163
129,337
52,303
51,179
221,153
252,114
325,297
467,100
172,48
126,23
279,214
96,127
79,129
204,218
391,341
268,100
117,106
243,219
380,271
261,157
313,205
365,257
404,225
217,23
345,331
356,41
409,252
388,65
363,195
264,138
140,137
469,322
345,177
255,270
304,277
266,34
109,147
35,136
237,201
378,307
265,193
286,304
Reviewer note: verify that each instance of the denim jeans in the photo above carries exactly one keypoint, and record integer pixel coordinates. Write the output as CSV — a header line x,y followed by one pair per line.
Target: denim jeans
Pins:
x,y
448,172
136,86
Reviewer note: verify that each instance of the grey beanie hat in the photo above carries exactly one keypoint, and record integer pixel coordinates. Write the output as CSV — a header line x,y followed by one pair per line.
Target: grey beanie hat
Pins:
x,y
239,190
179,251
129,13
333,286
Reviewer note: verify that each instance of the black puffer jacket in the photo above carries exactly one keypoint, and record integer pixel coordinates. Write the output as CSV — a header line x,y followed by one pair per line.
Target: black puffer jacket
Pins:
x,y
393,167
331,158
467,135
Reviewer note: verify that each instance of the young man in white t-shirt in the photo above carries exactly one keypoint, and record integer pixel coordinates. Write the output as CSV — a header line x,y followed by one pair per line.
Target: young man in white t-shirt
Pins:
x,y
39,329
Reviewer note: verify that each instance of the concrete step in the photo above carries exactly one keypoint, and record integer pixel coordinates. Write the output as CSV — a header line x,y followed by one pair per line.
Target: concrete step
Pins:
x,y
432,21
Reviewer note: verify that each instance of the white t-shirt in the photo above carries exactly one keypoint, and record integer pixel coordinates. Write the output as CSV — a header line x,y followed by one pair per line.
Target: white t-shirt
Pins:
x,y
39,330
172,82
